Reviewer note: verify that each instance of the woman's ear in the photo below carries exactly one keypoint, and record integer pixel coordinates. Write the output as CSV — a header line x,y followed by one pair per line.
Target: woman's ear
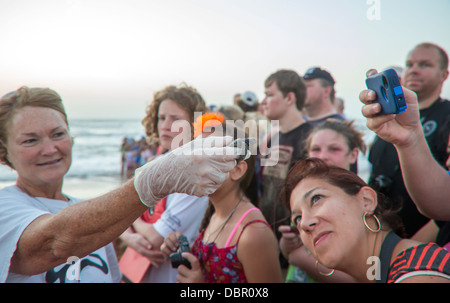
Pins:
x,y
238,171
368,199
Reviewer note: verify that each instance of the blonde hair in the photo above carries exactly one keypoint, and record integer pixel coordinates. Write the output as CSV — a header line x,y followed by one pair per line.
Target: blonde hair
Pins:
x,y
23,97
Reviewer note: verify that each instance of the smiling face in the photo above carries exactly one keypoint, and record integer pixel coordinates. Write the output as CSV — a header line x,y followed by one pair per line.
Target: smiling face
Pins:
x,y
39,145
329,220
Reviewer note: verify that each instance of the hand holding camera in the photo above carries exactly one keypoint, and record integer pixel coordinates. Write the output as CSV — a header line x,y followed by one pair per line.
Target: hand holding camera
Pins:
x,y
176,258
174,247
388,91
393,128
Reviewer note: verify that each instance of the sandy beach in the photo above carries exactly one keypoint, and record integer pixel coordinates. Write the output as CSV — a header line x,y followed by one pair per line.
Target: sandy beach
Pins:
x,y
84,188
90,188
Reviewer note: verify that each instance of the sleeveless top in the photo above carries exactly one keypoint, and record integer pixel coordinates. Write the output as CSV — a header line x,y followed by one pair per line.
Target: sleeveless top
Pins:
x,y
221,265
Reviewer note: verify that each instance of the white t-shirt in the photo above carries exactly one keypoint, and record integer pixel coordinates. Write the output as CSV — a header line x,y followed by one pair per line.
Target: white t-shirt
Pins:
x,y
17,211
183,214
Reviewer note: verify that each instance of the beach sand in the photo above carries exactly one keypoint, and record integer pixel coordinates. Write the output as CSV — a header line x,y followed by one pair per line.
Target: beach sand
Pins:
x,y
84,188
90,188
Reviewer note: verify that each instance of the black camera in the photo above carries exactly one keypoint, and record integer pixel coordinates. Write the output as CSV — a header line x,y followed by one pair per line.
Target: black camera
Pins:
x,y
176,258
389,91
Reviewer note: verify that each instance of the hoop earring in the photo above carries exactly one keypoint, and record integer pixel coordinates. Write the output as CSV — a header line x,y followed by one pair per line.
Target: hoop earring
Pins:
x,y
367,225
326,274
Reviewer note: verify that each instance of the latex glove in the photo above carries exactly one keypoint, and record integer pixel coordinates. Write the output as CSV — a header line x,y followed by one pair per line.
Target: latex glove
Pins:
x,y
197,168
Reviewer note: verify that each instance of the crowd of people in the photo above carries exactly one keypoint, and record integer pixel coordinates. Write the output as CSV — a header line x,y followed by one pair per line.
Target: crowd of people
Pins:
x,y
135,153
306,217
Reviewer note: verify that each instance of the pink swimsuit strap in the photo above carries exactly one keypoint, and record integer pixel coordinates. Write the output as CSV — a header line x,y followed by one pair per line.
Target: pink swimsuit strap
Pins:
x,y
237,225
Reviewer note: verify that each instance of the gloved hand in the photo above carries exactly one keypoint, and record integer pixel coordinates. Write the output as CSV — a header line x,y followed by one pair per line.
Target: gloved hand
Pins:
x,y
197,168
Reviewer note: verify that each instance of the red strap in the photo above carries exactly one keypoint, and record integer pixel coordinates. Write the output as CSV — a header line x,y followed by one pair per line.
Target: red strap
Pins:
x,y
157,212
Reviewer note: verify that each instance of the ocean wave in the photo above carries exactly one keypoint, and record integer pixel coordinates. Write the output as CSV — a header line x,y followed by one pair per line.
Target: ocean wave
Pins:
x,y
96,151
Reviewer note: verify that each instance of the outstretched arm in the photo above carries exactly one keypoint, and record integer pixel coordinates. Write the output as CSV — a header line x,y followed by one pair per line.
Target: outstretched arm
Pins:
x,y
86,226
427,182
76,230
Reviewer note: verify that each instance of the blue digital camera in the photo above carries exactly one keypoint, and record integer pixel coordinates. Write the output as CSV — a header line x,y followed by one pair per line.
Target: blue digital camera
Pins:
x,y
389,91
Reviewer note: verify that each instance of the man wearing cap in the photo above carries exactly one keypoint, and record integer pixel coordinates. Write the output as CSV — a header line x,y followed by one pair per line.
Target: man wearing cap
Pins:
x,y
320,94
248,101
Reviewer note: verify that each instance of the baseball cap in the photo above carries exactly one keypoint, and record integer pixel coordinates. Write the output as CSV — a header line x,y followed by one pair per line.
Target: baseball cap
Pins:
x,y
318,73
249,98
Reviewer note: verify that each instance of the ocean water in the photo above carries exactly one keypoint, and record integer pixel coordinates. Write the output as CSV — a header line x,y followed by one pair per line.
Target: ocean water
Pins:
x,y
96,151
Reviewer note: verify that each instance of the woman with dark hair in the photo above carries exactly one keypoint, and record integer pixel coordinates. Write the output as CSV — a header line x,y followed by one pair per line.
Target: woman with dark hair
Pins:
x,y
337,143
347,226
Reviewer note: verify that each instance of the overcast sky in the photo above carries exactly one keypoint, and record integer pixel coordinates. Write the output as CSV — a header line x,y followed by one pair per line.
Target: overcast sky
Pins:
x,y
107,57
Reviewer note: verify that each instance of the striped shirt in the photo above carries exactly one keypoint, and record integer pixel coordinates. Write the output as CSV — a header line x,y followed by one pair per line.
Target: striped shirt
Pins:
x,y
423,259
